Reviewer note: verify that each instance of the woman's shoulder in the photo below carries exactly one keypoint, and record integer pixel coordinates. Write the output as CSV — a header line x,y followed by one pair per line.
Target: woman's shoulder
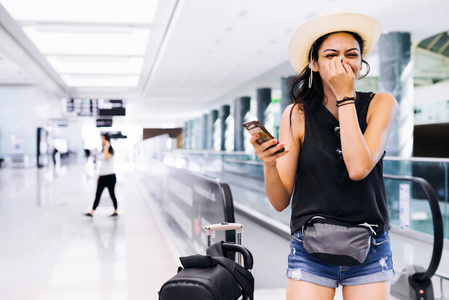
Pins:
x,y
383,100
294,111
382,104
294,118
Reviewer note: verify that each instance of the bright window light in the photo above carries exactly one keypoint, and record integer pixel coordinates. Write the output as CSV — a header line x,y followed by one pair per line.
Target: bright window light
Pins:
x,y
97,11
96,64
101,81
89,40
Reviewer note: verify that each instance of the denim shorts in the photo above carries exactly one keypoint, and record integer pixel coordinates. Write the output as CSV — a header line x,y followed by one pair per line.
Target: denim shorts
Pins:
x,y
377,267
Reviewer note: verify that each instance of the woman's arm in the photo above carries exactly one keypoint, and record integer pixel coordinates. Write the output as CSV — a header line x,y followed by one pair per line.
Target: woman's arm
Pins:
x,y
280,168
362,152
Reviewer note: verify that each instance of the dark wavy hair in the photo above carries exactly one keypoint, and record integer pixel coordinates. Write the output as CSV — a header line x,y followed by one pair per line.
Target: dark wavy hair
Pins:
x,y
107,137
307,98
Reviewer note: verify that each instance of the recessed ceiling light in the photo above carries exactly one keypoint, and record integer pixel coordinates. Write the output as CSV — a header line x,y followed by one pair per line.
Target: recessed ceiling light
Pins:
x,y
98,11
90,42
100,80
96,64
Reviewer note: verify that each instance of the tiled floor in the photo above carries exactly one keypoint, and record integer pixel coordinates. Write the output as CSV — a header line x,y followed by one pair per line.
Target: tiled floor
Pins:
x,y
49,250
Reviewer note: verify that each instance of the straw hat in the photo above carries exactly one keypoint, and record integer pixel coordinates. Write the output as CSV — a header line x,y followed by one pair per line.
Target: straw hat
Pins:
x,y
367,27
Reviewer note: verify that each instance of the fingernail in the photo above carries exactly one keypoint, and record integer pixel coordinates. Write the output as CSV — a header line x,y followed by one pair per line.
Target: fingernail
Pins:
x,y
274,141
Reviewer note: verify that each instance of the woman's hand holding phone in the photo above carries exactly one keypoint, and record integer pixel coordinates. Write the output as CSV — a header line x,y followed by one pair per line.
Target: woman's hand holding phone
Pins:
x,y
269,151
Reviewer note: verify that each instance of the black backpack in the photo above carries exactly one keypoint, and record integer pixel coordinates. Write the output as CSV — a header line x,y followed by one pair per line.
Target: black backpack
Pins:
x,y
211,277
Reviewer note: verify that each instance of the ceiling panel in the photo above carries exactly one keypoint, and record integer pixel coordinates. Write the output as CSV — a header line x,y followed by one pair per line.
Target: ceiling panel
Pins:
x,y
97,11
88,40
192,55
96,64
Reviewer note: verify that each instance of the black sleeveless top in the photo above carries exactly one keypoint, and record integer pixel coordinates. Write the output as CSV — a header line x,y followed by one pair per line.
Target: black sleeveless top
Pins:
x,y
322,184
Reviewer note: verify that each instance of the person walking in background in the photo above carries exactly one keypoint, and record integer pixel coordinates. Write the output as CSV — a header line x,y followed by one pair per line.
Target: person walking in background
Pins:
x,y
107,176
335,141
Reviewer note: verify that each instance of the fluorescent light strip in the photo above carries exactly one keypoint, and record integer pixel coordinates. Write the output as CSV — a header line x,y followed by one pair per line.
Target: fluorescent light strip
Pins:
x,y
101,81
89,43
117,11
96,65
56,28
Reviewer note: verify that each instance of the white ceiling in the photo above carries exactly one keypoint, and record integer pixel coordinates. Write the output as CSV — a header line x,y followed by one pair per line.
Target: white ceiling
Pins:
x,y
199,54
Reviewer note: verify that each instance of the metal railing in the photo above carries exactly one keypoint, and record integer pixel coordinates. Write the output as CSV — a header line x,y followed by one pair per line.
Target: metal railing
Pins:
x,y
435,171
438,230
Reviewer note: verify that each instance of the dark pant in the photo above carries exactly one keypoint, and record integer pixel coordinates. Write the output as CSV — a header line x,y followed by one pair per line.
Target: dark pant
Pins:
x,y
109,182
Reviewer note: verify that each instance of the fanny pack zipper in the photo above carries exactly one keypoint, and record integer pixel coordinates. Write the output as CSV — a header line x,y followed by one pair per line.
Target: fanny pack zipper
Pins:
x,y
370,226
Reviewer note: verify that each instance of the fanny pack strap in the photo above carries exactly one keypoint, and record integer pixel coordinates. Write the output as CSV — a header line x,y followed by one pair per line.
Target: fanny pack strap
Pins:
x,y
370,226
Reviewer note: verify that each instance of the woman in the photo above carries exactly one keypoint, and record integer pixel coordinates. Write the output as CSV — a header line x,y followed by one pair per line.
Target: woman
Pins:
x,y
107,176
335,140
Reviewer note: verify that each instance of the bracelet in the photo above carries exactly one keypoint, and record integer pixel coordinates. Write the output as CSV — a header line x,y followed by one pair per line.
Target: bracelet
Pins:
x,y
345,99
352,102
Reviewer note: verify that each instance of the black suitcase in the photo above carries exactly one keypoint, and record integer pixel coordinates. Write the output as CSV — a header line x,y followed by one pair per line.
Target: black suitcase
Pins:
x,y
213,276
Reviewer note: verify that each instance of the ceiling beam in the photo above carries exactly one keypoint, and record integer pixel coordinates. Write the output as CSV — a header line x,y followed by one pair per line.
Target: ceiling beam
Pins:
x,y
444,47
435,56
19,48
164,21
434,41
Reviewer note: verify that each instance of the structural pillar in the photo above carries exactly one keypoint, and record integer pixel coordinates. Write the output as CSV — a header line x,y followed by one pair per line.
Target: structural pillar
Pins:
x,y
263,97
285,90
206,131
224,113
241,107
185,136
191,143
197,133
396,78
213,116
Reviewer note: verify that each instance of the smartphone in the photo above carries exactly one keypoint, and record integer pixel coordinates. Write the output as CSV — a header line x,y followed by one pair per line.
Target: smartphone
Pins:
x,y
254,127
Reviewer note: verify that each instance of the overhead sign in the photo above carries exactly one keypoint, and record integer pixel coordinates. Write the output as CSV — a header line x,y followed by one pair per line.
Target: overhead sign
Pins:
x,y
104,122
86,107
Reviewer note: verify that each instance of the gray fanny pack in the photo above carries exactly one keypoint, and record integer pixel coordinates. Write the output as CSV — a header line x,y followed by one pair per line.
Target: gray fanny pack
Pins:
x,y
337,244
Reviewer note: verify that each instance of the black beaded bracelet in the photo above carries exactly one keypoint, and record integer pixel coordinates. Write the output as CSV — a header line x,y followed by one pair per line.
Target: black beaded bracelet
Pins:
x,y
345,99
343,104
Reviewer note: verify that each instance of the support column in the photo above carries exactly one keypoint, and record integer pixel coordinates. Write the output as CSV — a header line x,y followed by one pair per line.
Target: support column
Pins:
x,y
285,89
241,107
224,113
197,132
187,141
213,116
263,97
185,135
191,134
206,132
396,77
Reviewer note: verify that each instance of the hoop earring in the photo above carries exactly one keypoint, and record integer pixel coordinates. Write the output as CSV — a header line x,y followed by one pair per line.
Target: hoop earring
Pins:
x,y
367,72
310,67
310,78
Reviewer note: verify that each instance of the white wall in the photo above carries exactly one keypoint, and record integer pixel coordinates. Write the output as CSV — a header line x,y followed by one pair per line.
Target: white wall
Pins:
x,y
22,110
17,118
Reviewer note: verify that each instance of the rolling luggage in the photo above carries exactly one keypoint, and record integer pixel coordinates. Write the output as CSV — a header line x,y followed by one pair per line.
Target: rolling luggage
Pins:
x,y
214,276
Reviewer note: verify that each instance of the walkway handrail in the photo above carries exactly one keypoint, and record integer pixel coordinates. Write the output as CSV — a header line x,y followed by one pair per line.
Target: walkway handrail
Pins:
x,y
438,238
